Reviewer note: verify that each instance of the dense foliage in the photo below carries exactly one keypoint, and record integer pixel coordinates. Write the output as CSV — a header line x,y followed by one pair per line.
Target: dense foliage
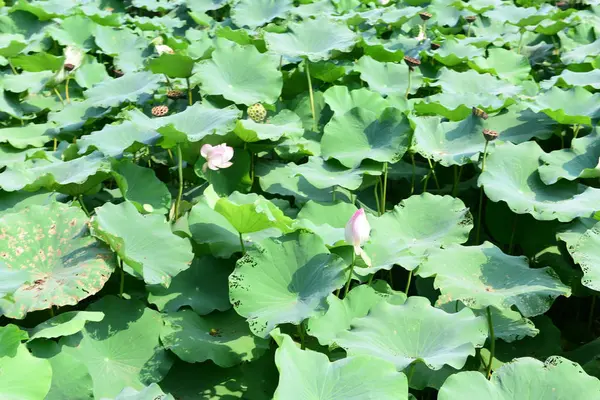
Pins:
x,y
308,199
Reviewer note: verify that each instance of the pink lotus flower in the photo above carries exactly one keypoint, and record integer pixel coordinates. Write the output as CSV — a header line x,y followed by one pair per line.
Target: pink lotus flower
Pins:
x,y
357,232
217,157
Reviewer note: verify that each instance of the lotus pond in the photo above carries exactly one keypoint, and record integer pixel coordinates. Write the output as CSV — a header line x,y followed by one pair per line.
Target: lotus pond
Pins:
x,y
299,199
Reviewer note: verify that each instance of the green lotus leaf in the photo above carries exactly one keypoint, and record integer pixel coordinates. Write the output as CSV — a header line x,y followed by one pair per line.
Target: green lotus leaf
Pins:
x,y
449,143
361,134
572,106
283,124
11,202
387,50
142,188
415,227
326,220
463,90
11,280
557,378
580,161
164,23
156,5
255,13
315,39
65,264
284,280
280,179
11,337
209,227
38,62
241,74
11,44
65,324
127,48
582,53
572,78
505,64
388,78
151,392
122,350
341,100
14,383
113,140
584,251
75,30
172,65
9,104
105,16
197,122
224,338
253,381
203,287
415,331
482,276
74,176
518,124
325,174
249,213
21,137
453,52
144,242
90,73
511,175
307,374
520,16
234,178
356,304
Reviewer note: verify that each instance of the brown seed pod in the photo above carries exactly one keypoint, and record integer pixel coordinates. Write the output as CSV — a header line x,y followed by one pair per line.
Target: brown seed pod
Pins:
x,y
471,18
257,112
562,4
411,61
435,46
478,112
424,15
490,135
174,94
118,73
69,67
160,111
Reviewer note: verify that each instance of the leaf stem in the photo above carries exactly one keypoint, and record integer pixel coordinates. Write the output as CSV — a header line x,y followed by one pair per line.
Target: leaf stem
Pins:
x,y
591,314
347,287
492,343
370,279
301,334
180,172
59,96
13,69
409,82
411,372
410,274
377,197
520,42
480,206
189,88
83,207
512,235
457,175
51,309
122,283
310,94
435,179
242,244
384,185
576,130
414,168
67,89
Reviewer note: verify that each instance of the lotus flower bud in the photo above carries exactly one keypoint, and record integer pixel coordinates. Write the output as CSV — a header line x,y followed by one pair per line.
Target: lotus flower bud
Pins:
x,y
163,48
217,157
357,232
73,58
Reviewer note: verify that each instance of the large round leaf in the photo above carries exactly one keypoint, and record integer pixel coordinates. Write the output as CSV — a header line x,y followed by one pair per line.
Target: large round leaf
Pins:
x,y
557,378
64,324
326,220
361,134
572,106
52,244
144,242
286,123
284,280
511,175
388,78
241,74
518,124
341,100
325,174
586,252
580,161
482,276
224,338
310,375
415,227
122,350
313,38
415,331
254,13
203,287
142,188
507,64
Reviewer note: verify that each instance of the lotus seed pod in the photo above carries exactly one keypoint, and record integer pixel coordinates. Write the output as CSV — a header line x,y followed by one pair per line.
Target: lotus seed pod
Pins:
x,y
490,135
478,112
69,67
160,111
257,112
411,61
174,94
471,18
424,15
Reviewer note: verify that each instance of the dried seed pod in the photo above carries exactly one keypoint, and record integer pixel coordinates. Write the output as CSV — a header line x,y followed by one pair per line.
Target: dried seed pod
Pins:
x,y
69,67
435,46
411,61
160,111
118,73
174,94
478,112
471,18
562,4
257,112
490,135
424,15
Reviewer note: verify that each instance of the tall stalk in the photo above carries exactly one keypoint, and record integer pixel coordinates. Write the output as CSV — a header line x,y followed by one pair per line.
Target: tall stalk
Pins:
x,y
492,343
409,82
242,244
67,89
480,210
384,187
347,288
122,283
180,173
189,89
310,94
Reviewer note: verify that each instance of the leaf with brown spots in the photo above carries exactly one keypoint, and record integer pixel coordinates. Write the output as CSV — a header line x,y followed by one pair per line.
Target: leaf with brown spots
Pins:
x,y
63,262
